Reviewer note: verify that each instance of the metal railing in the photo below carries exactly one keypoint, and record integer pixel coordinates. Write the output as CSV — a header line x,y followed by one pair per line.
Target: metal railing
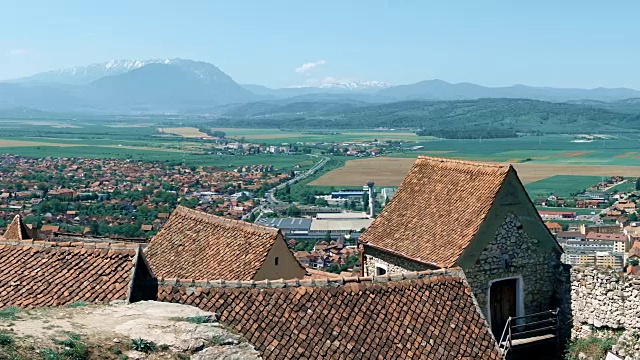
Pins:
x,y
528,326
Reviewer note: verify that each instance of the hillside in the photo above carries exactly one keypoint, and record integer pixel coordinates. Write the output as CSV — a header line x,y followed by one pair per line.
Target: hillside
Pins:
x,y
520,115
82,75
151,86
181,84
442,90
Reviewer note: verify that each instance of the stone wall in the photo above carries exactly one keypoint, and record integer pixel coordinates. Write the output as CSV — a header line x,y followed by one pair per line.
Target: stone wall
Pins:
x,y
605,298
512,253
395,264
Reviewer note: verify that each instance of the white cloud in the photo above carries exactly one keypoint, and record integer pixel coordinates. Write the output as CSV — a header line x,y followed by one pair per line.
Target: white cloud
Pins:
x,y
308,66
18,52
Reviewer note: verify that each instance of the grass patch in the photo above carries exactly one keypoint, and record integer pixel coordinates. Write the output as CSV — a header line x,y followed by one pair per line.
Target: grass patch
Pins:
x,y
68,349
198,319
595,348
77,304
215,341
10,313
6,340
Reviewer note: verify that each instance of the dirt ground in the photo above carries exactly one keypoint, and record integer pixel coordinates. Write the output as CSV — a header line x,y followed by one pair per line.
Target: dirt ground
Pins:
x,y
188,132
14,143
388,171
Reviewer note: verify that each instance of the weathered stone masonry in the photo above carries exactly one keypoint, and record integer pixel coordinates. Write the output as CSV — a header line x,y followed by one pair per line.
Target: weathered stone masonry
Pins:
x,y
394,264
511,242
512,253
605,298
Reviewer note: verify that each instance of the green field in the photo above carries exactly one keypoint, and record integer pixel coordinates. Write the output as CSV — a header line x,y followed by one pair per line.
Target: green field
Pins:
x,y
135,141
140,140
278,136
560,185
623,149
576,210
627,186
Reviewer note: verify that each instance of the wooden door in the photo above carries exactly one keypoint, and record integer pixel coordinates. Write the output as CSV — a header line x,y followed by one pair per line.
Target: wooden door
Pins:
x,y
502,299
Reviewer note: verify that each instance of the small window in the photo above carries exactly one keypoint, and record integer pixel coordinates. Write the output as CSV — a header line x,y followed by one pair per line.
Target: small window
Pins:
x,y
380,271
277,260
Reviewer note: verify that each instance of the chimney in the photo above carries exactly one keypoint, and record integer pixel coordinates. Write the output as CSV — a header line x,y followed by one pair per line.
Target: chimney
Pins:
x,y
372,199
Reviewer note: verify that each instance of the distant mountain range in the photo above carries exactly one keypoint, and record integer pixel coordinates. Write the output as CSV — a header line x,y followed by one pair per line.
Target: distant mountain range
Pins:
x,y
82,75
187,86
458,118
442,90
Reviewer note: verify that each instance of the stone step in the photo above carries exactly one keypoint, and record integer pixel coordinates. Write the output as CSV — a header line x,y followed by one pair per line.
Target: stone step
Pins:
x,y
529,340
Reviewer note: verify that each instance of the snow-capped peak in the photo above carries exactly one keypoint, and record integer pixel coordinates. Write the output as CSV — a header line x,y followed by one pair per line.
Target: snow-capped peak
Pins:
x,y
80,75
332,83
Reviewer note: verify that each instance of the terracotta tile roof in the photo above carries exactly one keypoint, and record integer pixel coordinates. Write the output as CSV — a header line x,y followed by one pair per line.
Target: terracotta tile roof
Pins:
x,y
437,210
49,228
318,274
197,245
604,236
635,249
553,225
17,230
427,315
35,274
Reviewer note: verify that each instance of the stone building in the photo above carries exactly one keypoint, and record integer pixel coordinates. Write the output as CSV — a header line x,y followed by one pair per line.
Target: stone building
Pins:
x,y
476,216
200,246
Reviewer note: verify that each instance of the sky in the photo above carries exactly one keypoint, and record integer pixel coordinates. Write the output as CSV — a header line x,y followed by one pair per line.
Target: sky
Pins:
x,y
280,43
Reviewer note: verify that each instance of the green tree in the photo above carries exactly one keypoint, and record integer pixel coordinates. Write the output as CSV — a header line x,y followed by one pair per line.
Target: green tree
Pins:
x,y
638,184
95,228
293,211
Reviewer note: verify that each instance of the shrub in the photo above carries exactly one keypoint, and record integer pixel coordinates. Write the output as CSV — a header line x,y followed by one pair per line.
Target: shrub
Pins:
x,y
143,345
72,349
6,339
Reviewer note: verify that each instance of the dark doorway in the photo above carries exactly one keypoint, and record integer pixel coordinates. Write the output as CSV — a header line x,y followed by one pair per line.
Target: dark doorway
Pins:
x,y
502,300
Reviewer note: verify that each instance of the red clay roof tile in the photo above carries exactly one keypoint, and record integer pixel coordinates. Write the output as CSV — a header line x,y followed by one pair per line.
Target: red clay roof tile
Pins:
x,y
40,275
193,244
437,209
17,230
428,315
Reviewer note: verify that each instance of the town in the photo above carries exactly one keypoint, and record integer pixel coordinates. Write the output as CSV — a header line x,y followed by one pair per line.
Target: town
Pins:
x,y
122,198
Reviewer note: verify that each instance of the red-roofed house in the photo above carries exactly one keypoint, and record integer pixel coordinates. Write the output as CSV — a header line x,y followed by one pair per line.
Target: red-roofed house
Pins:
x,y
554,227
507,253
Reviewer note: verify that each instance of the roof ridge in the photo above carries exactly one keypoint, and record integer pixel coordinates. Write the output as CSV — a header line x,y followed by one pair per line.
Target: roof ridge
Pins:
x,y
222,220
60,245
464,162
325,282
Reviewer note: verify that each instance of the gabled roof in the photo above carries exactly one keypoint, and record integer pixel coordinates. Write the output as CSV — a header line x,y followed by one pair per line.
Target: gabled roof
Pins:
x,y
604,236
197,245
17,230
437,210
426,315
38,273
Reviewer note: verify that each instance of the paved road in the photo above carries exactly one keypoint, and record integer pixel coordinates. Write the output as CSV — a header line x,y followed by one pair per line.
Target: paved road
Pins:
x,y
269,196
